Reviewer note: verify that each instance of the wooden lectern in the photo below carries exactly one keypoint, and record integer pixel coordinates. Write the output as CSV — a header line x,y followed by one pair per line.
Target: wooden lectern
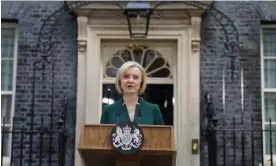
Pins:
x,y
158,149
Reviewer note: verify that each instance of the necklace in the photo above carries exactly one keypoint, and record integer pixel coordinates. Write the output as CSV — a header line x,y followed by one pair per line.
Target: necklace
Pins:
x,y
131,114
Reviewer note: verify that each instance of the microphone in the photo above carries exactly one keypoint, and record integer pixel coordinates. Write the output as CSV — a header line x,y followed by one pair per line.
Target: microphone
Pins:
x,y
118,112
117,116
139,113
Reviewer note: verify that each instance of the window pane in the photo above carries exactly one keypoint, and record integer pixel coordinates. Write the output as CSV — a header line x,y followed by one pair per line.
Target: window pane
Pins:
x,y
6,101
139,24
6,75
6,141
270,73
149,56
109,95
270,106
111,72
267,140
117,62
7,42
161,73
126,55
269,41
162,95
137,53
158,63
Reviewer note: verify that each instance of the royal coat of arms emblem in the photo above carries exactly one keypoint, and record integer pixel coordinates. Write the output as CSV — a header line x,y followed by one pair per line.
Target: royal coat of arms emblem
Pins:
x,y
127,137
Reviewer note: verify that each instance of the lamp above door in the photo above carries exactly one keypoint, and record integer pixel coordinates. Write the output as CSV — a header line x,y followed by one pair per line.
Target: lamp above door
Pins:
x,y
138,18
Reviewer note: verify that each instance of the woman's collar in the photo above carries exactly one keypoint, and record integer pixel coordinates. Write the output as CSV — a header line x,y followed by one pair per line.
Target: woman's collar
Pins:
x,y
140,99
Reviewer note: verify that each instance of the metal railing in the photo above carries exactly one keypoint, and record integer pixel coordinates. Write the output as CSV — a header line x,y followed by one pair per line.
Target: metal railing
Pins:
x,y
46,147
242,145
236,143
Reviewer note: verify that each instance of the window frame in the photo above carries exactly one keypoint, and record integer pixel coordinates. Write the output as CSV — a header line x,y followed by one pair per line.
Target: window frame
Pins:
x,y
265,90
114,46
7,159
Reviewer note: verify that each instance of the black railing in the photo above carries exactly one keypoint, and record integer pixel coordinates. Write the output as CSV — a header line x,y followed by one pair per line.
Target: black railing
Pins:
x,y
46,145
242,145
35,145
237,143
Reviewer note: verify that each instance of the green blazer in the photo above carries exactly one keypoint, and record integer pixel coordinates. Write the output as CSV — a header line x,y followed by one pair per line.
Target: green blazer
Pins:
x,y
146,113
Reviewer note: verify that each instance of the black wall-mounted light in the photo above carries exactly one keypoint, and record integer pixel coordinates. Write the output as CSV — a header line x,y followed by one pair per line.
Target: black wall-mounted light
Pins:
x,y
138,18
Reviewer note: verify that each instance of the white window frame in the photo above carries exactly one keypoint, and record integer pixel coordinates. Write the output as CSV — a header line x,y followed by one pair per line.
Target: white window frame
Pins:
x,y
6,160
265,90
152,44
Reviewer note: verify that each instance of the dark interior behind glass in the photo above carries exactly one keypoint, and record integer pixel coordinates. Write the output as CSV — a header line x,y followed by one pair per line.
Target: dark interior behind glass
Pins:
x,y
160,94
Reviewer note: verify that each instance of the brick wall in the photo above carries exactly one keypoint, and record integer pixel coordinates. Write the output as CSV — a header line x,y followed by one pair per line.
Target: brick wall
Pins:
x,y
30,15
247,18
62,78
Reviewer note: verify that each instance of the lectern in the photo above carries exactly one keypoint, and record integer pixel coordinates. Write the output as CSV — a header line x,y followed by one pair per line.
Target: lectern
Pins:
x,y
95,147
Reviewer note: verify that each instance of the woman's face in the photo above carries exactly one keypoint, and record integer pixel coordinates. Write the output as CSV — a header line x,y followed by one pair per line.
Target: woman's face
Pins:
x,y
131,80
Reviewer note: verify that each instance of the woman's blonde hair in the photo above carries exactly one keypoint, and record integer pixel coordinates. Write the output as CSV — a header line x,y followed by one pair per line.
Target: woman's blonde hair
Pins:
x,y
125,67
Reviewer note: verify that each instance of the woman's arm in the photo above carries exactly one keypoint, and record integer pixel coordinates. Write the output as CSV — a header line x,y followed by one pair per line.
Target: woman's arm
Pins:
x,y
104,117
158,116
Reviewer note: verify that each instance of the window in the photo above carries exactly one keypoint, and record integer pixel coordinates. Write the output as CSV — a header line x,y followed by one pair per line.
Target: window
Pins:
x,y
153,62
268,61
8,78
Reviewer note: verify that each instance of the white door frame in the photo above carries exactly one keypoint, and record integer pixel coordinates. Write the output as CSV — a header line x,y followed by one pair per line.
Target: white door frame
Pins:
x,y
187,85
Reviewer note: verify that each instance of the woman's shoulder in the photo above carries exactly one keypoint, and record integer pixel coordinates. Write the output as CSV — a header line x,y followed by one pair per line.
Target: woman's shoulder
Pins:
x,y
149,104
112,106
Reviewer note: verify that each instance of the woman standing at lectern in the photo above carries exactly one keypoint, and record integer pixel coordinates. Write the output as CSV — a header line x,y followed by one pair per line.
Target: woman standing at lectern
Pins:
x,y
130,83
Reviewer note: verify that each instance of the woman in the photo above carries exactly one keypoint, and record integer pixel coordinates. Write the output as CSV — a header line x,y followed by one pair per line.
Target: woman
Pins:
x,y
130,83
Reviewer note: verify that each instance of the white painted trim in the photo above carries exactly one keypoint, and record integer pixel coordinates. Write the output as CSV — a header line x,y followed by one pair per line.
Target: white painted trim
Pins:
x,y
267,123
263,89
268,26
95,38
6,125
6,160
269,90
7,58
6,92
152,43
9,25
152,27
269,57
